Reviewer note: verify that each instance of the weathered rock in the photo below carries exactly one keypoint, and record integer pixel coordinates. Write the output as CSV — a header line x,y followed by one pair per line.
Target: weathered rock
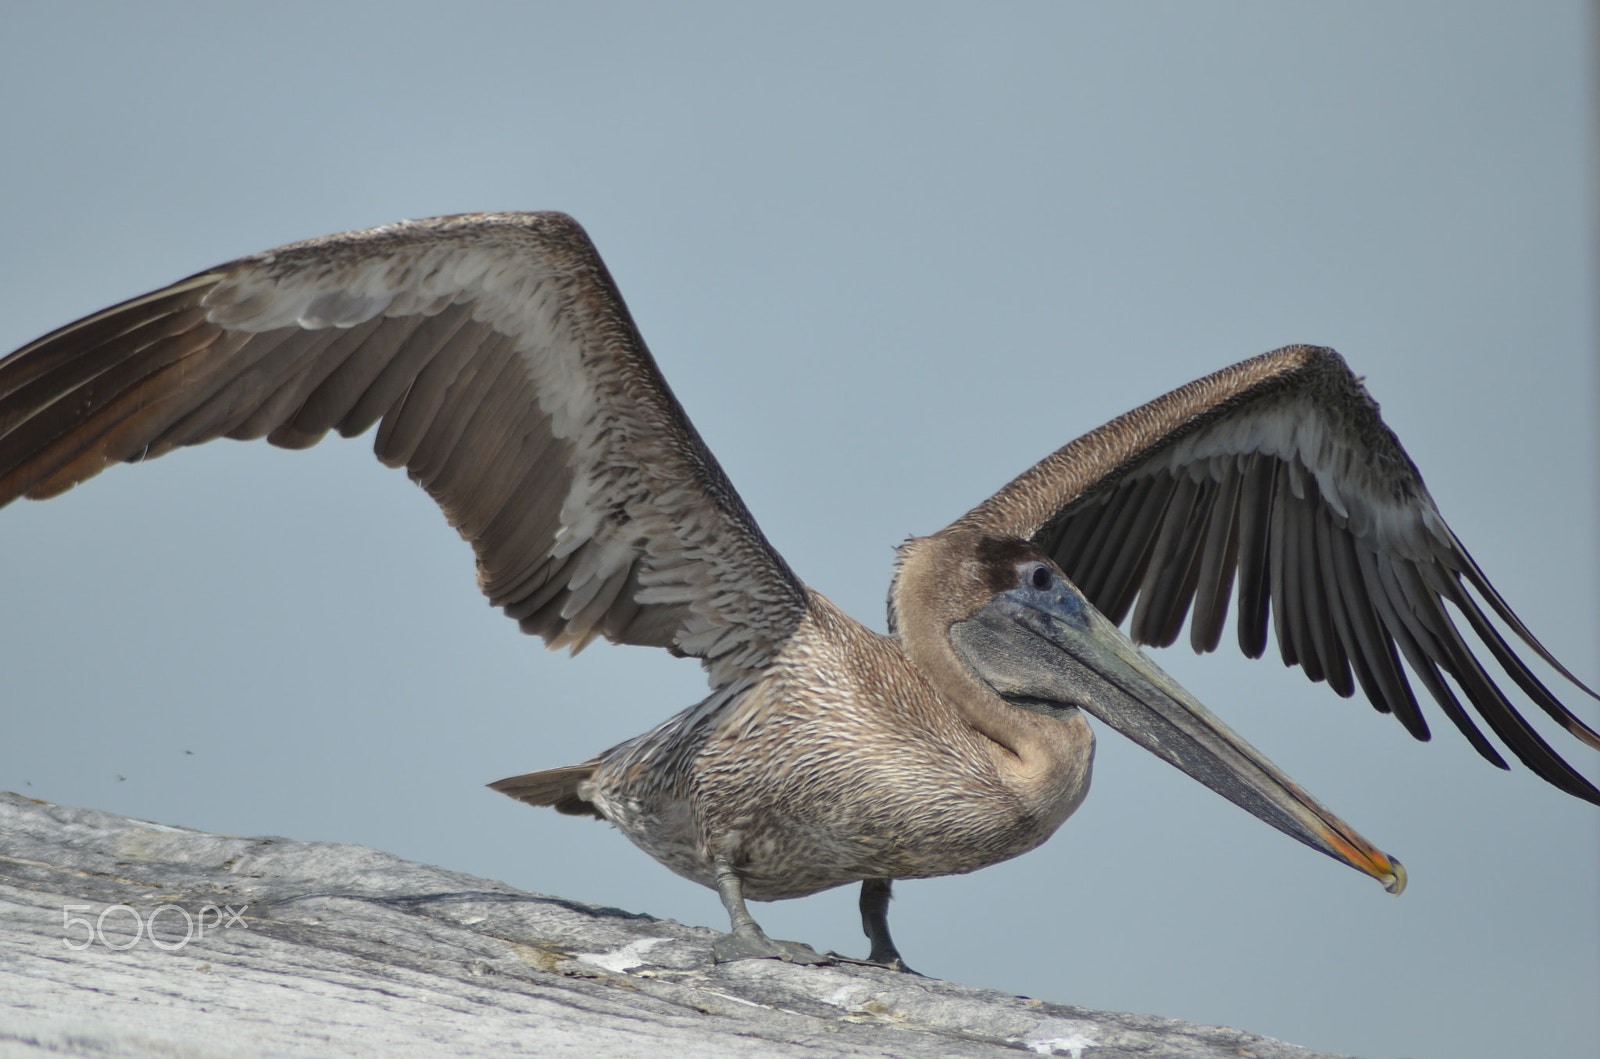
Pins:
x,y
120,937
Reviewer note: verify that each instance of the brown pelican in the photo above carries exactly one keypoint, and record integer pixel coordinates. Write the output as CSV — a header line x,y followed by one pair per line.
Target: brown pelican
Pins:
x,y
505,374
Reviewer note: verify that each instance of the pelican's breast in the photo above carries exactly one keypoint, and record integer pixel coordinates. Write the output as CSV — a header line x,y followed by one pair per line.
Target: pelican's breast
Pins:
x,y
844,764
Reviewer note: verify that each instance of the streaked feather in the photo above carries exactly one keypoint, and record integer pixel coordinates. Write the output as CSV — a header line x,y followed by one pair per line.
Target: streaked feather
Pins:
x,y
508,379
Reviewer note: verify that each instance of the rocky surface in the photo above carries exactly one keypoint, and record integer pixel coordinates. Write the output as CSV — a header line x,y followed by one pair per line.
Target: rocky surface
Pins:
x,y
125,938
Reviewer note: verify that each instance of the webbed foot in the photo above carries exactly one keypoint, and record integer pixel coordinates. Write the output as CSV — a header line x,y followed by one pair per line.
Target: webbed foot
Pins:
x,y
747,941
893,962
754,945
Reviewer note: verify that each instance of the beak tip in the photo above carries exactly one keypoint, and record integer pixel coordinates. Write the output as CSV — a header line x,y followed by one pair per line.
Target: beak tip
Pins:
x,y
1395,881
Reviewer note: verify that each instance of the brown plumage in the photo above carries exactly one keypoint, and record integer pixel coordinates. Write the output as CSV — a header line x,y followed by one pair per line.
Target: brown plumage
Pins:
x,y
502,370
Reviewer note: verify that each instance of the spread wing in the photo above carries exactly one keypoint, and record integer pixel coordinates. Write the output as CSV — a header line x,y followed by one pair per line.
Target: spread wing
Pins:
x,y
1279,473
505,375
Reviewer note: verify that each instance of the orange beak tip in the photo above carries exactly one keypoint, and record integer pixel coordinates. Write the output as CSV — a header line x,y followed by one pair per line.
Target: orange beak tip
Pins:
x,y
1395,881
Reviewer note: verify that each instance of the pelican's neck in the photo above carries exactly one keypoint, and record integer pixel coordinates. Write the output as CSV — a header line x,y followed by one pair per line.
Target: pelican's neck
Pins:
x,y
1046,749
1024,735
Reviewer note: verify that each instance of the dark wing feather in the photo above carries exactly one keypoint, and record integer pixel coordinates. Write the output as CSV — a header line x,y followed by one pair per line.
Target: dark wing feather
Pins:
x,y
506,376
1279,474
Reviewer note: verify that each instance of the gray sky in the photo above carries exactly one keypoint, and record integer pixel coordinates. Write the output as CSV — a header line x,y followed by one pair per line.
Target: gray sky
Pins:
x,y
888,256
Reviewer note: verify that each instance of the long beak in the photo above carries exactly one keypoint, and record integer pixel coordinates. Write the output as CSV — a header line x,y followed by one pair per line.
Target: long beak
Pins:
x,y
1052,650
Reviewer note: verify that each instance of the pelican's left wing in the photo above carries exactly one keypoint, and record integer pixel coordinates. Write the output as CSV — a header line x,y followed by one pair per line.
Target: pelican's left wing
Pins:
x,y
1280,469
504,373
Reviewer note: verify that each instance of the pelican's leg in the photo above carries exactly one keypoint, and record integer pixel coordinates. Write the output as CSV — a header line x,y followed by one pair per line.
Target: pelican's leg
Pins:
x,y
875,922
746,940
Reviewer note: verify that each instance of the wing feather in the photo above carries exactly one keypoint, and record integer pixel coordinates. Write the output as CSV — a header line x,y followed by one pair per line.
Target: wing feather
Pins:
x,y
1284,589
1255,503
1341,632
1322,520
1118,556
1129,558
1217,565
413,416
296,364
1167,562
1376,649
504,373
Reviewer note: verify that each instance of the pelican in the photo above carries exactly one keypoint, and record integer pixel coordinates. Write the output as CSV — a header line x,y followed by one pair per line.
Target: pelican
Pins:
x,y
504,373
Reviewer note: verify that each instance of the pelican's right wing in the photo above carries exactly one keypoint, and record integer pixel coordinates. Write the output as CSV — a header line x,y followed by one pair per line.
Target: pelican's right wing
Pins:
x,y
506,376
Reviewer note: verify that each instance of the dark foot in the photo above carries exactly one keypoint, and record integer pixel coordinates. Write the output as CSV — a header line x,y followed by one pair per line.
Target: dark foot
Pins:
x,y
875,924
754,945
889,963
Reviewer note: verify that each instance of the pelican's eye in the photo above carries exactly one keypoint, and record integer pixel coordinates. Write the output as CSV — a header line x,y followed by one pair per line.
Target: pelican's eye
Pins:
x,y
1041,577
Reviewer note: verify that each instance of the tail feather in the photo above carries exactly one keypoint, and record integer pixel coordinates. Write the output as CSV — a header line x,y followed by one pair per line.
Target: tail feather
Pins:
x,y
556,788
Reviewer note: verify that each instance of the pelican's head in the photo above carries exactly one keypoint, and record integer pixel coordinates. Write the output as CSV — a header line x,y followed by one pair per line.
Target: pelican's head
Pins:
x,y
1023,630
